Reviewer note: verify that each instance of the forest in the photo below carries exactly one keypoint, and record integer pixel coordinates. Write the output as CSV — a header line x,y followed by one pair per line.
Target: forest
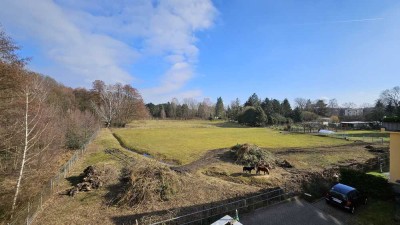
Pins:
x,y
43,121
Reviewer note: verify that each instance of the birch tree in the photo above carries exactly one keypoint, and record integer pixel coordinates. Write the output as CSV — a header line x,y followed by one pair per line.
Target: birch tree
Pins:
x,y
33,126
110,102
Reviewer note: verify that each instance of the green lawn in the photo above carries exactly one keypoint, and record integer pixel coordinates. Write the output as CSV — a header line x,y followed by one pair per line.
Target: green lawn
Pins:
x,y
186,141
377,212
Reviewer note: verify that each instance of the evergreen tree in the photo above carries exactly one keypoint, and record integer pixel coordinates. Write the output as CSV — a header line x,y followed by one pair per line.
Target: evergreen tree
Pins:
x,y
219,108
321,108
253,101
390,109
286,108
276,106
235,109
297,115
185,111
267,106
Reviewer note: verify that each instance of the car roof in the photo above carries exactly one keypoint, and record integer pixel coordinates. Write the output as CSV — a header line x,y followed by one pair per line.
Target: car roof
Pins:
x,y
342,188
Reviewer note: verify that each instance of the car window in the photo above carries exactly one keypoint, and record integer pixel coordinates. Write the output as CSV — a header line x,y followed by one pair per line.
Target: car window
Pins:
x,y
338,195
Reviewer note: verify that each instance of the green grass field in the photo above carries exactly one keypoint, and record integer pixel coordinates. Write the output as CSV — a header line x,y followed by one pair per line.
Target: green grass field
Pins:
x,y
365,135
186,141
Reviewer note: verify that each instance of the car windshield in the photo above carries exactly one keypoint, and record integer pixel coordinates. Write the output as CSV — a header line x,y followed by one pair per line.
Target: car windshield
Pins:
x,y
337,195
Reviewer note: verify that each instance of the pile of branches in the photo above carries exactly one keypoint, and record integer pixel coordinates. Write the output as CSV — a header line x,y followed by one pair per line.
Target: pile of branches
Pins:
x,y
91,180
144,183
250,155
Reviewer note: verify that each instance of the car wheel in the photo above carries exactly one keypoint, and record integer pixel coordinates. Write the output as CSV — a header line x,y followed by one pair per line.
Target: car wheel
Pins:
x,y
365,201
352,209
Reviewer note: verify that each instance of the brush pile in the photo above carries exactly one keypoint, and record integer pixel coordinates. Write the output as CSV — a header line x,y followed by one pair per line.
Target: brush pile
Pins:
x,y
91,180
146,183
249,155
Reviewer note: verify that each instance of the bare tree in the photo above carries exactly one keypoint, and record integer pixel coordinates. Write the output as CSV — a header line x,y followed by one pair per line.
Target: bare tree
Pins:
x,y
332,105
366,105
349,105
110,97
34,126
301,103
391,96
118,104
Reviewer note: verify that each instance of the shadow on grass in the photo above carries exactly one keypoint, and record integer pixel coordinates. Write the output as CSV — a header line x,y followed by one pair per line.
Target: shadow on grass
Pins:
x,y
74,180
229,125
243,174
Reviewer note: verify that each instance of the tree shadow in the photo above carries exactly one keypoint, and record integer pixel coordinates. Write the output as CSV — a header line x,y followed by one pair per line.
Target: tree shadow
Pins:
x,y
229,125
113,191
74,180
241,174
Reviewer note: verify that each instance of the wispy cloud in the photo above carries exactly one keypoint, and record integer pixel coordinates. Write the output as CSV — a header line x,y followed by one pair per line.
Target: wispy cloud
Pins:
x,y
100,41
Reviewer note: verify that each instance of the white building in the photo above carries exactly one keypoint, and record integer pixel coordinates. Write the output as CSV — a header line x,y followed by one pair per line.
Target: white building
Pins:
x,y
353,112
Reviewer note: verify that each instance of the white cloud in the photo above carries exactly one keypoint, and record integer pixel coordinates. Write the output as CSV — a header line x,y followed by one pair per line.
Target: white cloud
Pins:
x,y
100,40
77,52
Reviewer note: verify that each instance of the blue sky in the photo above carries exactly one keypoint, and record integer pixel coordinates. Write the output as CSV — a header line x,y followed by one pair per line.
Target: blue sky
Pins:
x,y
348,50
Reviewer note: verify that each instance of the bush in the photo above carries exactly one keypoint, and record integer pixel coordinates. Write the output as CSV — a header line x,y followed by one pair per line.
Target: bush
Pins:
x,y
372,186
393,119
247,154
253,116
317,187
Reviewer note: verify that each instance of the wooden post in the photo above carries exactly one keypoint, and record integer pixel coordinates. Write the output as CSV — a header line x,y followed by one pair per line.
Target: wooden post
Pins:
x,y
41,200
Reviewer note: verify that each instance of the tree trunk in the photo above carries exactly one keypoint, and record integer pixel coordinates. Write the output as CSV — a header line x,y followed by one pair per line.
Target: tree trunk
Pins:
x,y
24,153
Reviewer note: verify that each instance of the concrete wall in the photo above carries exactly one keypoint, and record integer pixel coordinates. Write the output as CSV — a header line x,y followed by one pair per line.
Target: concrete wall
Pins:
x,y
394,156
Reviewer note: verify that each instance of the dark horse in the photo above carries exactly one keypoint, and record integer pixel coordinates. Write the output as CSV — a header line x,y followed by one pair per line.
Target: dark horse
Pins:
x,y
265,169
248,168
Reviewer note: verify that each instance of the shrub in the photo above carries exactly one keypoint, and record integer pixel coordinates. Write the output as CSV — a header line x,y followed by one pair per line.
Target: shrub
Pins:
x,y
372,186
317,186
393,119
253,116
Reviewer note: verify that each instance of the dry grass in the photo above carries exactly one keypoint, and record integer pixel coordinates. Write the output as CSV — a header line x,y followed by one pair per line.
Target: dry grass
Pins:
x,y
94,208
316,159
32,184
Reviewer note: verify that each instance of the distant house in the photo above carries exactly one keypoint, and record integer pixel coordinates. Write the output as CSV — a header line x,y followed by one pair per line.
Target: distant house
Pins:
x,y
356,124
353,112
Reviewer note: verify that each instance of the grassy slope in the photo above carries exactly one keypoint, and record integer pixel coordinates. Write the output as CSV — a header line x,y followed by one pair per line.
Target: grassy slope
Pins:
x,y
91,208
185,141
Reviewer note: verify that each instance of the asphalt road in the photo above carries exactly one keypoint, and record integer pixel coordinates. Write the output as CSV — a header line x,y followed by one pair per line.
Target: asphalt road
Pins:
x,y
297,212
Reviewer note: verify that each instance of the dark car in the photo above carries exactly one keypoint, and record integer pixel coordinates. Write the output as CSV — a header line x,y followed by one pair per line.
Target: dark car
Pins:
x,y
346,197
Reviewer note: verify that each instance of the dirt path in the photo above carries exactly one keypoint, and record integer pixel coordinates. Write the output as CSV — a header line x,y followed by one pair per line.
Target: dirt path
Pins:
x,y
211,156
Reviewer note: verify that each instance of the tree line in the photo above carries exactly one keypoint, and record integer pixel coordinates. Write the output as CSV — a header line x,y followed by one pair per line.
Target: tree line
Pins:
x,y
40,119
269,111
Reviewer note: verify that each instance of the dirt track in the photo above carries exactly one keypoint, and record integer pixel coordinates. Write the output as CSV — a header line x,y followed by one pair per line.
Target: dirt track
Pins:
x,y
211,156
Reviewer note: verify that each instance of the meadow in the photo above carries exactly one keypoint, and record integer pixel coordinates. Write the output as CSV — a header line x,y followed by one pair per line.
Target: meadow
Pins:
x,y
186,141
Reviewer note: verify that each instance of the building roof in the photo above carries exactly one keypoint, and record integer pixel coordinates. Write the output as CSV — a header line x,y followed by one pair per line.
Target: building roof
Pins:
x,y
355,122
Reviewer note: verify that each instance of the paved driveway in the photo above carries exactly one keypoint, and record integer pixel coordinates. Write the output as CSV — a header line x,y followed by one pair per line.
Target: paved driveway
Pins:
x,y
297,212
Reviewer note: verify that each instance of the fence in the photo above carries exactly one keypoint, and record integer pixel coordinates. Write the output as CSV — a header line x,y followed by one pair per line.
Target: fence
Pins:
x,y
27,214
211,214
